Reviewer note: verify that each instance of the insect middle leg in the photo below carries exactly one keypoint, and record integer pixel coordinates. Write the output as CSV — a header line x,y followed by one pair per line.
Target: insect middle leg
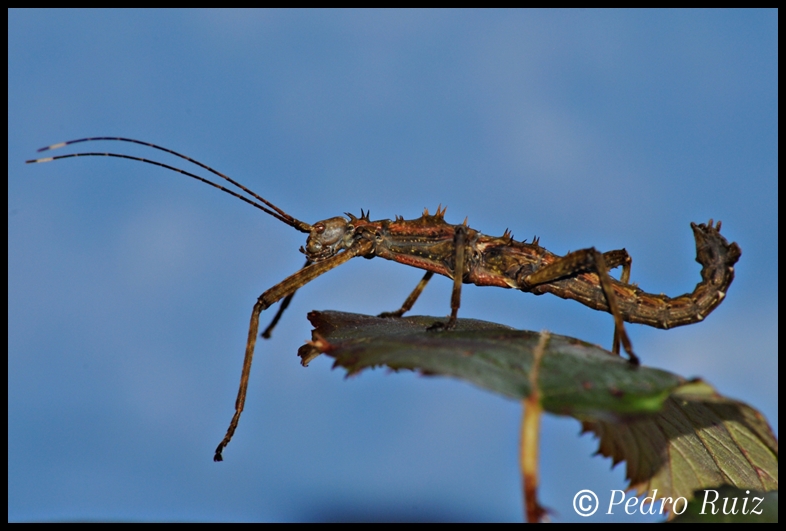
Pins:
x,y
413,297
590,260
459,243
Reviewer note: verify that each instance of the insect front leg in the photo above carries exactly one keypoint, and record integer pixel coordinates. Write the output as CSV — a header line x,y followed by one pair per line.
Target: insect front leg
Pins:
x,y
407,306
285,288
276,318
586,260
284,305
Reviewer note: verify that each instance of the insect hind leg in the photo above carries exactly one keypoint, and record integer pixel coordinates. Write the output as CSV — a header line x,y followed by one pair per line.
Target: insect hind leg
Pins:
x,y
614,259
619,257
590,260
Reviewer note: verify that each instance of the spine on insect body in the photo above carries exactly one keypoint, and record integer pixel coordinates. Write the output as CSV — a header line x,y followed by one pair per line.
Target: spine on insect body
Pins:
x,y
426,243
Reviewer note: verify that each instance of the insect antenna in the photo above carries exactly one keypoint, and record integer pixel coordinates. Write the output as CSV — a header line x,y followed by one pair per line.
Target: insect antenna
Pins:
x,y
275,212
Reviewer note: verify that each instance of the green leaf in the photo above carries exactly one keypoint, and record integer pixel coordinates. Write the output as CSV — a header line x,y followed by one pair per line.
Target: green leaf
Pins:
x,y
699,440
575,378
676,435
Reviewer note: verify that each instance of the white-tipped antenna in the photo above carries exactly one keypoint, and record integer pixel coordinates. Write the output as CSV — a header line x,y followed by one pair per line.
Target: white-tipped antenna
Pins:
x,y
276,212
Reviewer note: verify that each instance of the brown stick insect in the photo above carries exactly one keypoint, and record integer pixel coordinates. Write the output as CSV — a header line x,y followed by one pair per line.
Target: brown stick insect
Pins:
x,y
470,257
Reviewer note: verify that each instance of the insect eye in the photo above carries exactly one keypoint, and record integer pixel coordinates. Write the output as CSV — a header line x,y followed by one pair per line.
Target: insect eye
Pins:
x,y
319,227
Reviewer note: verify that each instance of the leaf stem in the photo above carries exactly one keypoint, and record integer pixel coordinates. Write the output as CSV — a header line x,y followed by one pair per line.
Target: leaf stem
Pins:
x,y
530,436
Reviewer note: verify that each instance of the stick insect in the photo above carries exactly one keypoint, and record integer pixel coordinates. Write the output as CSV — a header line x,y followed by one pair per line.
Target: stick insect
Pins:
x,y
470,257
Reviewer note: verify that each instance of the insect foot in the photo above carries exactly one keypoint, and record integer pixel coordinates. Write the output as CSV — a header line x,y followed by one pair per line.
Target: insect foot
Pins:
x,y
439,326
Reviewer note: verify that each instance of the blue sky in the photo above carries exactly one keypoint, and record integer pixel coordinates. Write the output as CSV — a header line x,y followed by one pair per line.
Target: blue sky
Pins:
x,y
130,288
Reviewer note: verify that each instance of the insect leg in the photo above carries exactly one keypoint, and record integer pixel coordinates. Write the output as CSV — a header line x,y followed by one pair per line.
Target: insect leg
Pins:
x,y
620,335
582,261
618,258
285,288
407,306
276,318
280,312
614,259
459,242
